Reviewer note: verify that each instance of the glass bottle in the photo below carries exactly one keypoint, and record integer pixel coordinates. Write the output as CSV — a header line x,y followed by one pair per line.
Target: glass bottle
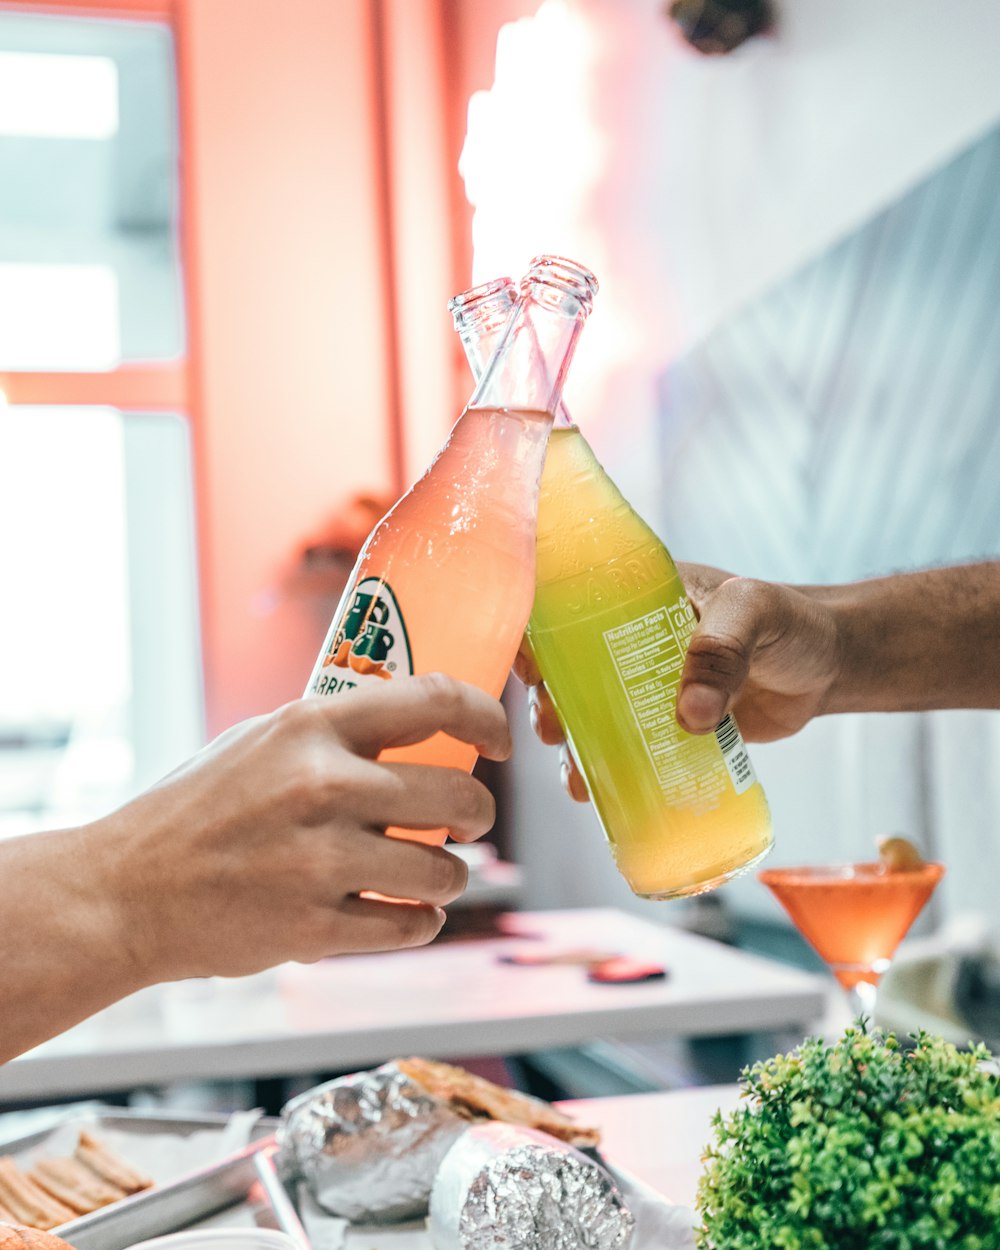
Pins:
x,y
445,581
609,630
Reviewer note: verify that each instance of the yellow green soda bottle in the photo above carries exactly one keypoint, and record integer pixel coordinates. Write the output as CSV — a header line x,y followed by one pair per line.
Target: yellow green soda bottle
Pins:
x,y
609,630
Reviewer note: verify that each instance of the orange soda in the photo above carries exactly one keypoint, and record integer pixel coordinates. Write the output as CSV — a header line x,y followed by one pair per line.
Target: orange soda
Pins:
x,y
446,580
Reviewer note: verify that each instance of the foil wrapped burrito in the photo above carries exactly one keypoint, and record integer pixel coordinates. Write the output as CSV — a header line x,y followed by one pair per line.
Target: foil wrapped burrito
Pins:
x,y
368,1146
505,1187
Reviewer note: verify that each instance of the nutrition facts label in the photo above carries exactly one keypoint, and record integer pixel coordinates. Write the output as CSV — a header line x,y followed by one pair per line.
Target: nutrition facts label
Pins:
x,y
648,654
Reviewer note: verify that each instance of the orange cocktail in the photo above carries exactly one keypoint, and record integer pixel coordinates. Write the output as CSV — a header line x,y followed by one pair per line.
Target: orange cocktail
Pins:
x,y
854,915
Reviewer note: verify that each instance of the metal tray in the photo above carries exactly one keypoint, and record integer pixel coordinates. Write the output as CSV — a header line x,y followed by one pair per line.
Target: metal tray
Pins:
x,y
142,1123
187,1200
241,1190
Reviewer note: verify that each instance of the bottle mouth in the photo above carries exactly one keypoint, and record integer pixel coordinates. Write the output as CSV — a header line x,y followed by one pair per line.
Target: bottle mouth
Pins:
x,y
499,288
562,275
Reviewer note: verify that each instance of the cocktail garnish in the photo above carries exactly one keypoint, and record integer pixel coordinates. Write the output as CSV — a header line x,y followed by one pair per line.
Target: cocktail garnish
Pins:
x,y
898,854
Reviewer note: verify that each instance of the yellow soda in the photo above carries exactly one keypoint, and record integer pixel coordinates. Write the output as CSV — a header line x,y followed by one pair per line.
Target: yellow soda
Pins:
x,y
609,630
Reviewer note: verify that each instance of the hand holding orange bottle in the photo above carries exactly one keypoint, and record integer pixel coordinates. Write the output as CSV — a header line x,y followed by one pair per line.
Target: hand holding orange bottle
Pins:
x,y
446,580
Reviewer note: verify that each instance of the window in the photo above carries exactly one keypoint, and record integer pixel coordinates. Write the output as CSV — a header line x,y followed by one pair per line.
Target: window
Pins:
x,y
97,566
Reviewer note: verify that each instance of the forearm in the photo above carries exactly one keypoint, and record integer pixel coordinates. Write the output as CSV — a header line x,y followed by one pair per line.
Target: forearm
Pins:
x,y
63,953
917,641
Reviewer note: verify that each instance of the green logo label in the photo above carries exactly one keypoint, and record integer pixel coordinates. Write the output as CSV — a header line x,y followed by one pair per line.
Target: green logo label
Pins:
x,y
371,639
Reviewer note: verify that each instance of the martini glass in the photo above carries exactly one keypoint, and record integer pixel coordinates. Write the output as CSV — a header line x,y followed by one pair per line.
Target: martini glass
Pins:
x,y
854,916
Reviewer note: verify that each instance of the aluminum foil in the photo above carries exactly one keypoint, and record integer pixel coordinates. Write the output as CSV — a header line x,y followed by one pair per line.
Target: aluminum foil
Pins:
x,y
502,1187
368,1146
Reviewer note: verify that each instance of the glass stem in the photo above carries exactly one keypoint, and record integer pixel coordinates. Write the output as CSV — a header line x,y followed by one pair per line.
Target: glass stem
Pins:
x,y
861,997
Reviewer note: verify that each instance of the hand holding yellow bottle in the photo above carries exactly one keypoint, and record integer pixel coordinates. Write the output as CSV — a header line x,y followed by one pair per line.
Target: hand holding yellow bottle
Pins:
x,y
609,630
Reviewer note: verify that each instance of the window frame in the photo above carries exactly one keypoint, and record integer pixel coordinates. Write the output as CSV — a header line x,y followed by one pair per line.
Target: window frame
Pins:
x,y
146,386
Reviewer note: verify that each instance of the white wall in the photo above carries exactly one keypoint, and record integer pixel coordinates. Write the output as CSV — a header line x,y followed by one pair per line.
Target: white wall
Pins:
x,y
739,208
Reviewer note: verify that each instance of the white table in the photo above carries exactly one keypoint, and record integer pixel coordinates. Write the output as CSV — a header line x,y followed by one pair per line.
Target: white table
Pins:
x,y
448,1000
658,1137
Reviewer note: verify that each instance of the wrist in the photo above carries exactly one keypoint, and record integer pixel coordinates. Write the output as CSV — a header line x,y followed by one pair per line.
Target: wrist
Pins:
x,y
875,670
112,919
847,645
64,952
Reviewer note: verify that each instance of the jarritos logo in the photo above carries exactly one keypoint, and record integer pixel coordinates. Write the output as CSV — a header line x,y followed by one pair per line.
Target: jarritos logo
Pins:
x,y
371,641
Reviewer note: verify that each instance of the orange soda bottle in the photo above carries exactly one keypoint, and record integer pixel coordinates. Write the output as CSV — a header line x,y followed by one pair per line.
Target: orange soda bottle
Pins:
x,y
609,630
445,581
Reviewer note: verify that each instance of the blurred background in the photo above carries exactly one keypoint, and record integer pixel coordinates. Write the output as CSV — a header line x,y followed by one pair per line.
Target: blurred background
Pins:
x,y
228,233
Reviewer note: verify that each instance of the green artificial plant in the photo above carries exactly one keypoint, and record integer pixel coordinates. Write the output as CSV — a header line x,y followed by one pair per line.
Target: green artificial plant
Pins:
x,y
862,1145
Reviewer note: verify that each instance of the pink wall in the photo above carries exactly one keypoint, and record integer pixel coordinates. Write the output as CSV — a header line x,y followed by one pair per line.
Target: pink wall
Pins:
x,y
287,292
325,228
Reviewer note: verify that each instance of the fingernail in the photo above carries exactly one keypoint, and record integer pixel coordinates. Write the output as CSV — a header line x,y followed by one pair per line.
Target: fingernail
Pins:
x,y
700,707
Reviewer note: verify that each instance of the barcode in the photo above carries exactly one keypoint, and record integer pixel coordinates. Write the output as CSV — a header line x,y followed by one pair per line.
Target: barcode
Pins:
x,y
727,734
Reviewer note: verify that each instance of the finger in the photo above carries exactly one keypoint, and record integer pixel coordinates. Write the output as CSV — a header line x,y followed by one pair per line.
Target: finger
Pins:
x,y
543,717
525,668
414,708
378,925
428,796
720,652
571,777
409,870
701,581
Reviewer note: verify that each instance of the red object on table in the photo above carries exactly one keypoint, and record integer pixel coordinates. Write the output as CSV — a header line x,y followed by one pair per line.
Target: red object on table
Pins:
x,y
623,971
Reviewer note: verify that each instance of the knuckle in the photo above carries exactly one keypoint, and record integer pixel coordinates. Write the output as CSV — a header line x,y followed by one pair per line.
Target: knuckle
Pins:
x,y
702,581
314,937
472,805
749,590
298,714
305,786
445,691
314,789
722,655
300,721
449,876
416,926
750,599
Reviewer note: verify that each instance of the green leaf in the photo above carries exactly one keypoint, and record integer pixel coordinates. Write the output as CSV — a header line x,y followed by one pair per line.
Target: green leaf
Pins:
x,y
866,1143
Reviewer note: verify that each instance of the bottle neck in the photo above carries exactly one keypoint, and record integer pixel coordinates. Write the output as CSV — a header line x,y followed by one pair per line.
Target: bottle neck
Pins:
x,y
535,347
482,316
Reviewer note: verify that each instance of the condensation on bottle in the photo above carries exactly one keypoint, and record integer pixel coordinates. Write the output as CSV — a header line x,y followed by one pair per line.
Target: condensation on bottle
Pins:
x,y
609,631
445,581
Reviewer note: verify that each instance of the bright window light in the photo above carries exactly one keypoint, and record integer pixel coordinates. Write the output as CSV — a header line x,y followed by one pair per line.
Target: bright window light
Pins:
x,y
535,154
64,639
61,317
535,125
73,97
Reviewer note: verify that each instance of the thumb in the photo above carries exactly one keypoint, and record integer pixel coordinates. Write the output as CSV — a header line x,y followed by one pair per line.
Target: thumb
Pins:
x,y
719,655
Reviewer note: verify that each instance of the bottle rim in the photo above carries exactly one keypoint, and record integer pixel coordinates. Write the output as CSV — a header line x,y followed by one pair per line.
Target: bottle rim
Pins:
x,y
477,294
564,275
